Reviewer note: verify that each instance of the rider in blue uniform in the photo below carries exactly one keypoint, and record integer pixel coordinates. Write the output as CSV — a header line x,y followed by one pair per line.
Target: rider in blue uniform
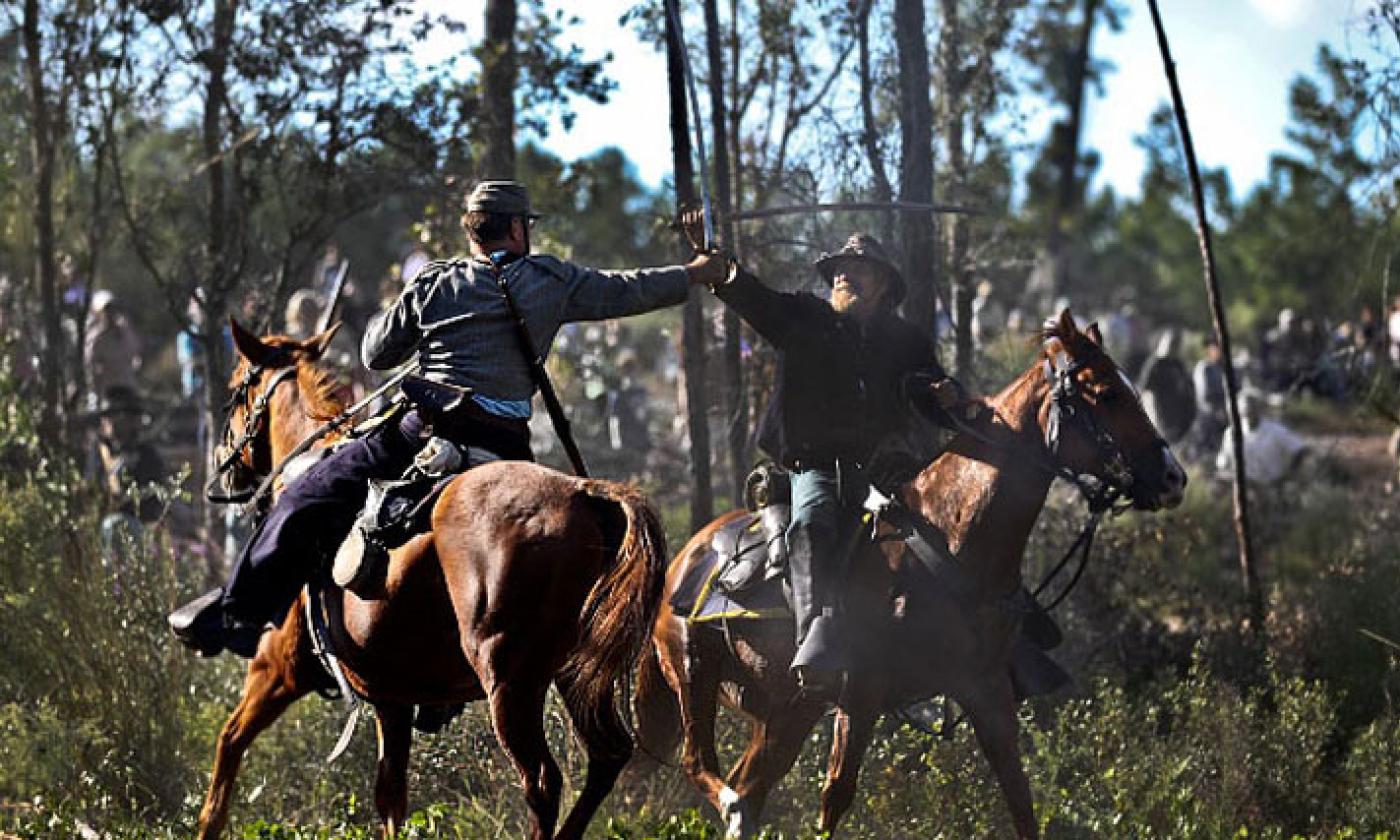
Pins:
x,y
453,320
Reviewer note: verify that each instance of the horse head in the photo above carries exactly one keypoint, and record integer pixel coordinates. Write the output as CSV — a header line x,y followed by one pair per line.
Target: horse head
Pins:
x,y
1094,423
252,436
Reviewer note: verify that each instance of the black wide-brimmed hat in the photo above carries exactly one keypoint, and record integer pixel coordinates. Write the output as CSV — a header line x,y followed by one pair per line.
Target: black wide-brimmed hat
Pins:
x,y
863,246
508,198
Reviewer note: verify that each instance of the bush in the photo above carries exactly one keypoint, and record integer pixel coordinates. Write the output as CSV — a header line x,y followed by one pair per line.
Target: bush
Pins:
x,y
1175,731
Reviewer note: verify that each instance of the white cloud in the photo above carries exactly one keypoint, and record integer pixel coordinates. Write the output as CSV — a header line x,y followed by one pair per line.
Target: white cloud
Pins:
x,y
1283,14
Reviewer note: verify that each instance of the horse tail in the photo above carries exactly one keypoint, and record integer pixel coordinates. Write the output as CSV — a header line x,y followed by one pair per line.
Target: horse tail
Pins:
x,y
658,710
617,618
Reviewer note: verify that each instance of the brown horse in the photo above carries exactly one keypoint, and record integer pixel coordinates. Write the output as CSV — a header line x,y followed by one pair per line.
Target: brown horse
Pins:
x,y
529,577
913,637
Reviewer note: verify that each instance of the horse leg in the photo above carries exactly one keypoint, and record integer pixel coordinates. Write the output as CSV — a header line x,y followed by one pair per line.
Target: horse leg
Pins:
x,y
773,748
851,737
693,674
395,729
609,747
267,692
993,716
518,714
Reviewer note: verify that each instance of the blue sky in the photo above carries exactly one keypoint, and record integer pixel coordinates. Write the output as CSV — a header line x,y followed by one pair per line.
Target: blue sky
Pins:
x,y
1235,59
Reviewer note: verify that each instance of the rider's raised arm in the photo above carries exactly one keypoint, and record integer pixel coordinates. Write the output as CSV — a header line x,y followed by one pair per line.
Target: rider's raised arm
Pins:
x,y
392,336
596,295
773,315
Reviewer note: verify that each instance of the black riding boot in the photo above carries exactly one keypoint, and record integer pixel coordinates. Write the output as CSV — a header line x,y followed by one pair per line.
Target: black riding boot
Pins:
x,y
822,657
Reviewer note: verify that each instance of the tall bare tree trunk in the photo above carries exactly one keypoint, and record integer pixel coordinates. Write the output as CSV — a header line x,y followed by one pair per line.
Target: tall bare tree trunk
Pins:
x,y
735,396
42,150
916,232
1065,141
498,77
702,504
952,112
215,290
869,136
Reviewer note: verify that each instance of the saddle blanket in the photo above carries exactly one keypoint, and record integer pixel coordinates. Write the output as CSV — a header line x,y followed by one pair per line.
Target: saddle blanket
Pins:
x,y
699,597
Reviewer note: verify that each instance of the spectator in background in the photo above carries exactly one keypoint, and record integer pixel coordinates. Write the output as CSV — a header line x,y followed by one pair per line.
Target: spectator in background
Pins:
x,y
1167,392
127,465
124,459
112,353
1368,328
1127,338
419,257
628,426
988,315
1272,451
1285,354
189,353
1208,379
323,276
303,314
1392,329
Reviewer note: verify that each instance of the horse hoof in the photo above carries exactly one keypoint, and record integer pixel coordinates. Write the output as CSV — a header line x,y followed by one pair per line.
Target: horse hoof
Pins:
x,y
735,814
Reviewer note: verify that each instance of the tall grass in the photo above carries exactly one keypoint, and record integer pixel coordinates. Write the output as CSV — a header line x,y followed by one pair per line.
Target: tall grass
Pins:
x,y
107,726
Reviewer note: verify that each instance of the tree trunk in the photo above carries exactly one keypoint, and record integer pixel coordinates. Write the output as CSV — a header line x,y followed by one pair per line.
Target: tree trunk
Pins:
x,y
953,104
693,335
869,135
46,268
216,286
916,231
1249,569
735,396
498,77
1065,140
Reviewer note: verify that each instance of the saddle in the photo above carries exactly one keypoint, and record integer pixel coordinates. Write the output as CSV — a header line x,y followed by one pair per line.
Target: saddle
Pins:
x,y
741,574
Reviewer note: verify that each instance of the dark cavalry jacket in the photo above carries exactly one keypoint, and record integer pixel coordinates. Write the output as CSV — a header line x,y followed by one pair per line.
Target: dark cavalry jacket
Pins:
x,y
839,390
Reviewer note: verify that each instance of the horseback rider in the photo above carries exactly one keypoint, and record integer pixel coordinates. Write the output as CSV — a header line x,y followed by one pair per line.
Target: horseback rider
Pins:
x,y
453,319
846,366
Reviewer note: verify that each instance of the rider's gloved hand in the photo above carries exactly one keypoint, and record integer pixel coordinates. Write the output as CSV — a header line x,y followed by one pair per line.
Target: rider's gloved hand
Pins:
x,y
710,267
948,393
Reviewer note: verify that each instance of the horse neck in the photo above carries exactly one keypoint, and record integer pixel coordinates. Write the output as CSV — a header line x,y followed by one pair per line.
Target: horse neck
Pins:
x,y
291,420
985,495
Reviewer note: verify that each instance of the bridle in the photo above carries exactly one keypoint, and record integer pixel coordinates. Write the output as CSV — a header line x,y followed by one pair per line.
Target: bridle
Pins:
x,y
1067,405
256,410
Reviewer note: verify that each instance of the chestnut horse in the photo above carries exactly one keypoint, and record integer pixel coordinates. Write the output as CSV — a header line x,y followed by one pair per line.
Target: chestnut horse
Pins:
x,y
529,577
913,637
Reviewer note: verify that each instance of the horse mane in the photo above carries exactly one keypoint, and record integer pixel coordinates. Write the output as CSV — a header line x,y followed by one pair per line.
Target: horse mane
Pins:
x,y
319,386
320,390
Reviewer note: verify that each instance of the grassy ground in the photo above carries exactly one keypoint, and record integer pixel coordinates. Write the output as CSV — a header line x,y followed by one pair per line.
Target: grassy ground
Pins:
x,y
1170,730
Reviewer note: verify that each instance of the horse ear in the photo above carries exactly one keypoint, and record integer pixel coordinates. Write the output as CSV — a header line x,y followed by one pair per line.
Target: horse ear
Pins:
x,y
248,345
316,345
1067,327
1094,334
